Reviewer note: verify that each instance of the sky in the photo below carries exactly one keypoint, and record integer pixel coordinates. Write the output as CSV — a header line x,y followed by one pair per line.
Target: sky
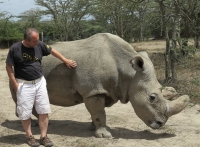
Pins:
x,y
16,7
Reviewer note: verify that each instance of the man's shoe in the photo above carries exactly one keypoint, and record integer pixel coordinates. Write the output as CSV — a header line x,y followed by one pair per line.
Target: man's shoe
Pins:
x,y
46,141
32,142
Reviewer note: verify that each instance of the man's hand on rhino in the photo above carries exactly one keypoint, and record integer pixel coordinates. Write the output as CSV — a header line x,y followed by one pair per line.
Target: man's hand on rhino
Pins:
x,y
70,63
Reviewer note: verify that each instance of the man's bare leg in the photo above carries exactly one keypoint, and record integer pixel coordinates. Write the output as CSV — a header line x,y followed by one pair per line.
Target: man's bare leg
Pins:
x,y
43,123
27,127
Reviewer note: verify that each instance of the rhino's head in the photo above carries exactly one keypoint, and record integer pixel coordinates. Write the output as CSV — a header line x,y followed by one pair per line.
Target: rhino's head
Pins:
x,y
146,97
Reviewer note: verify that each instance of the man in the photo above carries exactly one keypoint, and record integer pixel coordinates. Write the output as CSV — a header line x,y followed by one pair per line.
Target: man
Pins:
x,y
29,82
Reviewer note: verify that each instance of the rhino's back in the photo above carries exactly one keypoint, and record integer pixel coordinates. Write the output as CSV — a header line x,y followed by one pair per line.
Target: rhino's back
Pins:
x,y
98,59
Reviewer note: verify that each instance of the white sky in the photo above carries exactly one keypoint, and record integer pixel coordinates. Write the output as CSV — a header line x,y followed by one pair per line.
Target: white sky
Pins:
x,y
16,7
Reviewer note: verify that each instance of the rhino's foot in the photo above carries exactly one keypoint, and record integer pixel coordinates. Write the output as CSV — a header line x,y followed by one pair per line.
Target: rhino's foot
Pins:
x,y
102,133
92,126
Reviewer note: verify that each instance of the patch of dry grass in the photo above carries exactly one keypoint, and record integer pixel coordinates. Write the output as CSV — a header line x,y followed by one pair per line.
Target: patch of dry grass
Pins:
x,y
150,46
153,46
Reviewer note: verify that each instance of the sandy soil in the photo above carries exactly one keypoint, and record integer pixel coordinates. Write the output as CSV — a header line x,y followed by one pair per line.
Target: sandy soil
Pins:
x,y
69,126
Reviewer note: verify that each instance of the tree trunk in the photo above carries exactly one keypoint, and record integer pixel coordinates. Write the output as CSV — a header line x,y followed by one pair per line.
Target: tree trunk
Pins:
x,y
8,44
165,27
196,41
167,56
61,38
175,35
141,26
141,33
53,38
121,25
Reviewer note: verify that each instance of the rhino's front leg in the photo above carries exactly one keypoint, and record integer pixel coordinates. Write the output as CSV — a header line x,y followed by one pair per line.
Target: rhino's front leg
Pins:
x,y
95,105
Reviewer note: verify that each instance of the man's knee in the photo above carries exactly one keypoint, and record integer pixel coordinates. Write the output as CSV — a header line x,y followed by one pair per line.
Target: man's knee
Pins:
x,y
23,114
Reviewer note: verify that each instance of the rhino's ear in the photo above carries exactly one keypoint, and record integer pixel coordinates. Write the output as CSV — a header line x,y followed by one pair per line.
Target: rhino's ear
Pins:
x,y
144,54
137,63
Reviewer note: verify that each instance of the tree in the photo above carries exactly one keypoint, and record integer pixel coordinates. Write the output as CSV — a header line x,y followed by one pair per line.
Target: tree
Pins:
x,y
190,12
31,18
89,28
8,31
66,15
117,16
170,16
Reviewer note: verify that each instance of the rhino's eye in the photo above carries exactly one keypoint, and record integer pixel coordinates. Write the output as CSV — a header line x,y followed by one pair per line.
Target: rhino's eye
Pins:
x,y
152,97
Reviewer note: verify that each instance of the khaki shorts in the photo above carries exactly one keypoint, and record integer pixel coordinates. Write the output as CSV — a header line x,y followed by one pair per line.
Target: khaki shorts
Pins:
x,y
31,94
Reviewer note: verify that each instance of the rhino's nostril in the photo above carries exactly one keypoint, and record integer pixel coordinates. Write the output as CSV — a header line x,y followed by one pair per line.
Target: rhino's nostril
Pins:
x,y
159,123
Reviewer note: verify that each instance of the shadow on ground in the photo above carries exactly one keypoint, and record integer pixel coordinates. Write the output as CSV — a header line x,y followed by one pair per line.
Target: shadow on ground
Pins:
x,y
76,129
16,139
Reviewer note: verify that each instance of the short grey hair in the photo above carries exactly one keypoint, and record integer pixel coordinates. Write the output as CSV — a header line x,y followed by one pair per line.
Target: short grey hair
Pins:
x,y
28,32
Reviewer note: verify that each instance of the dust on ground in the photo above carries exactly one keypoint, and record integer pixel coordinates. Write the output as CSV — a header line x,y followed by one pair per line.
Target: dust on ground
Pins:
x,y
69,126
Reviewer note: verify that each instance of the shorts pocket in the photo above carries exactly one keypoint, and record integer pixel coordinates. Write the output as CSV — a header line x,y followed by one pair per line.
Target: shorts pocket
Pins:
x,y
19,86
19,110
23,113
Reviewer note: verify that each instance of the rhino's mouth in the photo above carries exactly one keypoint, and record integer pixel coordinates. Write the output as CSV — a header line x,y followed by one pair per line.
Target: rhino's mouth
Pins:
x,y
156,124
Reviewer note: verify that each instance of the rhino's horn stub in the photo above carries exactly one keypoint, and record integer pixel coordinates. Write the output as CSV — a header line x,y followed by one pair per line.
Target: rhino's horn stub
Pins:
x,y
169,93
176,106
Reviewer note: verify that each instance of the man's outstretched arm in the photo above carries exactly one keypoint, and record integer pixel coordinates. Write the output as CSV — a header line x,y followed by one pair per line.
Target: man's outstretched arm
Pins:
x,y
68,62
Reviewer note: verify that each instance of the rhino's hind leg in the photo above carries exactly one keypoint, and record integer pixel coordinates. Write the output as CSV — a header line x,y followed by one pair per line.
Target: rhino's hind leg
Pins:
x,y
95,105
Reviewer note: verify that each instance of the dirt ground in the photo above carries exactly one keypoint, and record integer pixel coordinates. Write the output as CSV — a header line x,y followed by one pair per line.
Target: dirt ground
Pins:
x,y
69,126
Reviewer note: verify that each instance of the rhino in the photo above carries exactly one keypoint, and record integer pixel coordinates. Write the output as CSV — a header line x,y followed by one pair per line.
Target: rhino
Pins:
x,y
109,70
170,93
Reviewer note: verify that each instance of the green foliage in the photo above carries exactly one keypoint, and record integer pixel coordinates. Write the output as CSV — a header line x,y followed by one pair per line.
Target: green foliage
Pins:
x,y
196,81
67,16
191,50
116,16
89,28
9,32
30,18
186,53
71,20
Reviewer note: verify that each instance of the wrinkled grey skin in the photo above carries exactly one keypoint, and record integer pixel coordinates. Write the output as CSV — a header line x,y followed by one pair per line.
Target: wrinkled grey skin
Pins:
x,y
108,70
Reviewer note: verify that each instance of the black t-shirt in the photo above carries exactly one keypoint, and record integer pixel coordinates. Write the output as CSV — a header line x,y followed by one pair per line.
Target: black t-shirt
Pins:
x,y
27,61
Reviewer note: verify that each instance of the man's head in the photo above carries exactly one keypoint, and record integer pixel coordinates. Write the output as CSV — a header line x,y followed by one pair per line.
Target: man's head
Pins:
x,y
31,37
